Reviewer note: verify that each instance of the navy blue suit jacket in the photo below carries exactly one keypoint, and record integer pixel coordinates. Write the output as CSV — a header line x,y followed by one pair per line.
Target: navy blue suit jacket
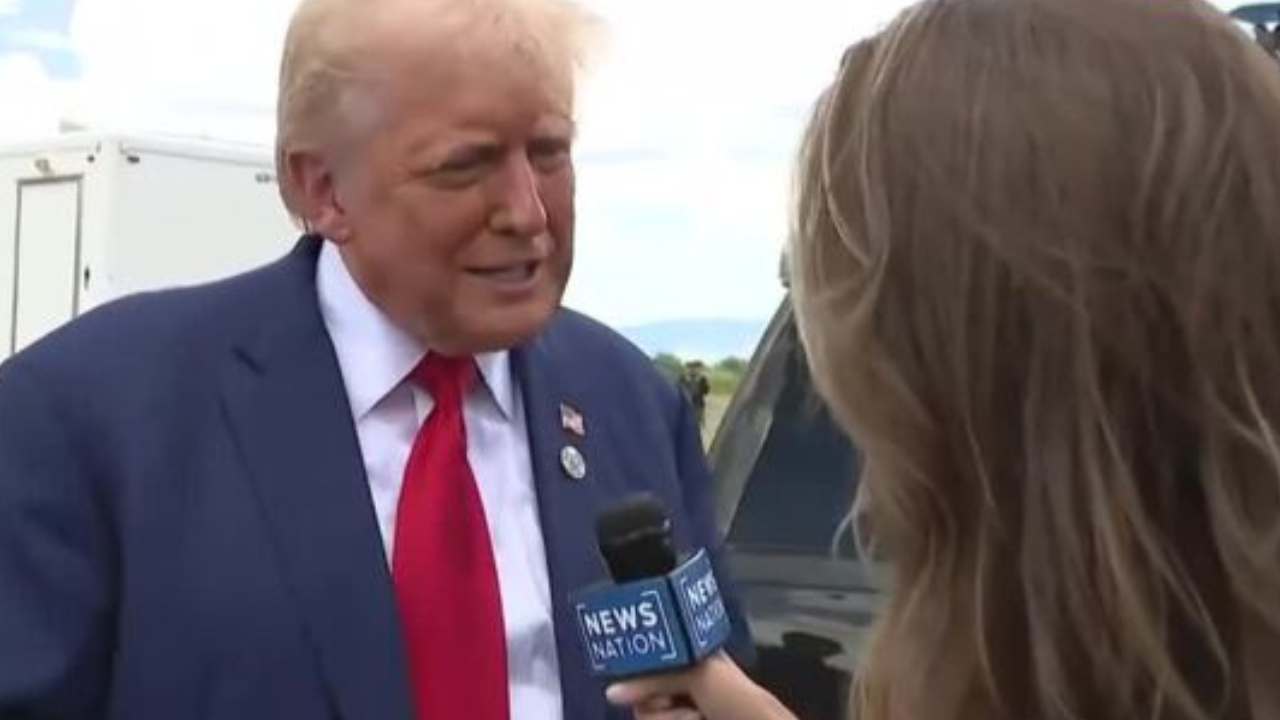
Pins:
x,y
186,532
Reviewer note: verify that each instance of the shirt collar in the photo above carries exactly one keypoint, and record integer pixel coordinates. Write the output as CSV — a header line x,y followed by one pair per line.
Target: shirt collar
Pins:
x,y
375,354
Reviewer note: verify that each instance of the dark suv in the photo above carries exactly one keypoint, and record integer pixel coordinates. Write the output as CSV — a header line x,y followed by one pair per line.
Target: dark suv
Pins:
x,y
785,485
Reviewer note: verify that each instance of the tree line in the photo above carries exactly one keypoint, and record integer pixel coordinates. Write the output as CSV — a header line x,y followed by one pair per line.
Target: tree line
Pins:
x,y
724,374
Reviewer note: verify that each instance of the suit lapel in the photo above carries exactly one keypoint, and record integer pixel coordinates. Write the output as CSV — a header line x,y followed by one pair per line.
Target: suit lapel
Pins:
x,y
568,509
290,416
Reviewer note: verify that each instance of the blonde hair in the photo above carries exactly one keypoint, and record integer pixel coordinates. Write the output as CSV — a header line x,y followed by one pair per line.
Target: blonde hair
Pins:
x,y
329,39
1037,277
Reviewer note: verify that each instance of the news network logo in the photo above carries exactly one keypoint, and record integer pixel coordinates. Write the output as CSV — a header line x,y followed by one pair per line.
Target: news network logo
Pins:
x,y
638,630
656,624
703,605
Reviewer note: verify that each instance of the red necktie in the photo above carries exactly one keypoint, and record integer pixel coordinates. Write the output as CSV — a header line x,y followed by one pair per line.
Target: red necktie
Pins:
x,y
446,581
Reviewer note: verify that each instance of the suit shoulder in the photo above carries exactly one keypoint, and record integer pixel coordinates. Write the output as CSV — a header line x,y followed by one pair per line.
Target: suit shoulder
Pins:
x,y
597,345
133,329
587,335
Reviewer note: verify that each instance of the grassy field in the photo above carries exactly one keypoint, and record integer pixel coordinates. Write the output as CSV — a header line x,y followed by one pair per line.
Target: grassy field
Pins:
x,y
716,405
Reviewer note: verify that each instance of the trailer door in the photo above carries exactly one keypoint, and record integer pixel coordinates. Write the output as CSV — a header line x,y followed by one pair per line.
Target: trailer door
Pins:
x,y
46,258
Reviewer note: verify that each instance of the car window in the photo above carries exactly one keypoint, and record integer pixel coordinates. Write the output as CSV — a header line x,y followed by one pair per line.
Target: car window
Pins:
x,y
800,487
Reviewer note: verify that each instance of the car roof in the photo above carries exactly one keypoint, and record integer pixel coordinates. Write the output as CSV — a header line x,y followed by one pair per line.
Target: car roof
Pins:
x,y
1258,13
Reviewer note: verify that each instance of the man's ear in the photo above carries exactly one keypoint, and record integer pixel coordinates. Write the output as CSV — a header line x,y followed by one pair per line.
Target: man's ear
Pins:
x,y
314,190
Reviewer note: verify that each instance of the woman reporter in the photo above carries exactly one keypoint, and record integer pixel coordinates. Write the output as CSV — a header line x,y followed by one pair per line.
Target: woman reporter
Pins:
x,y
1037,277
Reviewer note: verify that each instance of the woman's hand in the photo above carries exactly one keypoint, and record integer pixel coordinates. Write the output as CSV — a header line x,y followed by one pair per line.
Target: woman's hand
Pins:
x,y
719,690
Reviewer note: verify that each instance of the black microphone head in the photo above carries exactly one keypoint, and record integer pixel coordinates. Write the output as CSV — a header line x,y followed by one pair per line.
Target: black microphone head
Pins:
x,y
635,539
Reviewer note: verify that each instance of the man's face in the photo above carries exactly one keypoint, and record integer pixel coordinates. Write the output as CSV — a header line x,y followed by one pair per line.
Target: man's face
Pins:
x,y
457,201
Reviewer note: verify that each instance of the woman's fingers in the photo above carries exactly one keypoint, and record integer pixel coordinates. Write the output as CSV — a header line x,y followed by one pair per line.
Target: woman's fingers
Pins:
x,y
719,688
633,693
669,714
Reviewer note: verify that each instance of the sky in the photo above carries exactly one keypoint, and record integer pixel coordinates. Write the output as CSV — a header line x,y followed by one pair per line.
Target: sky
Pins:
x,y
689,123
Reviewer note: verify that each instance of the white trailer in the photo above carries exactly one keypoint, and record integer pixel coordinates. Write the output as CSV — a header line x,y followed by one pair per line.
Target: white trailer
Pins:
x,y
87,218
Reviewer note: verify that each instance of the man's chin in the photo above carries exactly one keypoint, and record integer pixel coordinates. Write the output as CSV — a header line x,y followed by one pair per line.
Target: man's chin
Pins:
x,y
504,329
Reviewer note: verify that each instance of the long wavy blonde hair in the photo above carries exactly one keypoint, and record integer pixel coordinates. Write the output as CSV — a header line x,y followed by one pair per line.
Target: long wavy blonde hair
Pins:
x,y
1037,276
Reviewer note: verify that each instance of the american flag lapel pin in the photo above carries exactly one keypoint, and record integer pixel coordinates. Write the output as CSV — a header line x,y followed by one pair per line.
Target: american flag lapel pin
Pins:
x,y
572,422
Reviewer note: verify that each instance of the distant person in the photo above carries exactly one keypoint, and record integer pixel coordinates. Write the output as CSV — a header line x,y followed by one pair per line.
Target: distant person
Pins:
x,y
1268,39
360,482
1036,280
696,387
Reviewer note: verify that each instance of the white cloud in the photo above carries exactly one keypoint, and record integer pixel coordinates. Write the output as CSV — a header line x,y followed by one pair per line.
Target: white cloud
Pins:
x,y
689,130
36,100
679,238
41,40
204,68
10,7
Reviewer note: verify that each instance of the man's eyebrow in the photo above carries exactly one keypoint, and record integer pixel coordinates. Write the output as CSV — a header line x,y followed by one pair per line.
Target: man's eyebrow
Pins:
x,y
558,126
440,145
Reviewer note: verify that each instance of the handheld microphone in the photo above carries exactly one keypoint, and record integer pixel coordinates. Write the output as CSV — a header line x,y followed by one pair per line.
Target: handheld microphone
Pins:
x,y
658,615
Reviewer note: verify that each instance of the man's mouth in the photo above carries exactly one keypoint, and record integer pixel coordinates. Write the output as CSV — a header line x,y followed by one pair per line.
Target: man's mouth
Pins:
x,y
512,274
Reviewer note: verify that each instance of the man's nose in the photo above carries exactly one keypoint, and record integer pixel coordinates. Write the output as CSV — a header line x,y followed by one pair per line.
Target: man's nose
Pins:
x,y
519,207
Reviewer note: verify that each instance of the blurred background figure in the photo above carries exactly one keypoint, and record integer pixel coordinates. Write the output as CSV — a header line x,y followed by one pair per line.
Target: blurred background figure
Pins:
x,y
1267,39
696,387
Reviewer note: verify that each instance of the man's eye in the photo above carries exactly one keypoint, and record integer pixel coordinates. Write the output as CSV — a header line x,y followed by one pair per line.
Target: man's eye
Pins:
x,y
456,165
469,160
550,154
459,170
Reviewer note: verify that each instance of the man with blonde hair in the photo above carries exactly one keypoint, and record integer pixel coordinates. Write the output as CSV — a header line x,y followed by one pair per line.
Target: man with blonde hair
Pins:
x,y
359,482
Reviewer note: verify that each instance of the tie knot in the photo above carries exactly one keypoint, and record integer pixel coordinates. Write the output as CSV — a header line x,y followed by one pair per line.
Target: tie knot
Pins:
x,y
445,377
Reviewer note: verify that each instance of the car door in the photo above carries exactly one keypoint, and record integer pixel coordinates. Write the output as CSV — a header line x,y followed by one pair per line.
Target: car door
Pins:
x,y
786,479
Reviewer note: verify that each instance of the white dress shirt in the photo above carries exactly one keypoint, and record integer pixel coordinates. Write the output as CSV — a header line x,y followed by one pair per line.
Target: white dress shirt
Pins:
x,y
376,357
